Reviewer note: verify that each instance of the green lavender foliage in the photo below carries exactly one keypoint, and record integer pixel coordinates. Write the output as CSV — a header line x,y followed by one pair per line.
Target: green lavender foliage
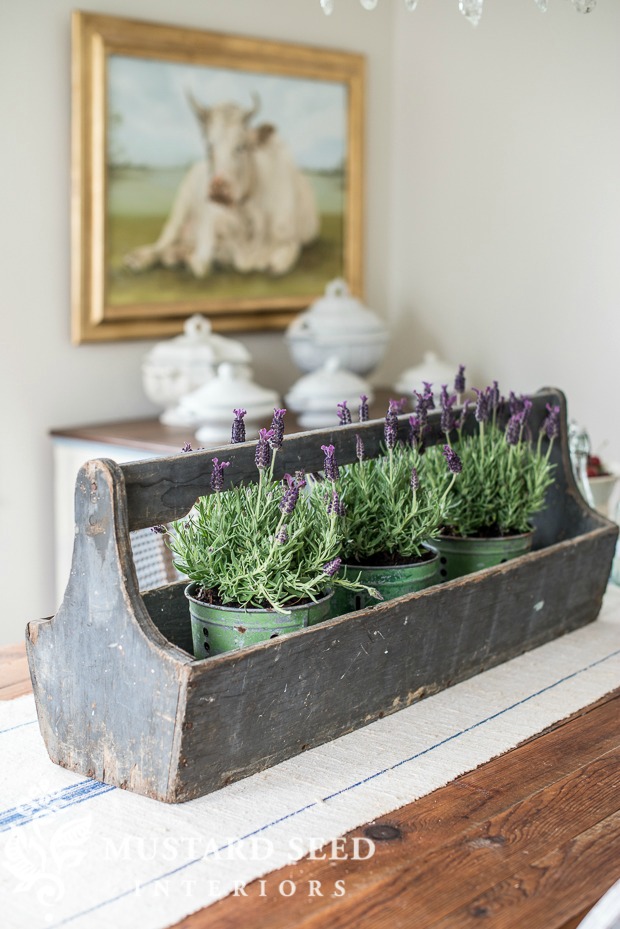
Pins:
x,y
501,487
239,544
384,514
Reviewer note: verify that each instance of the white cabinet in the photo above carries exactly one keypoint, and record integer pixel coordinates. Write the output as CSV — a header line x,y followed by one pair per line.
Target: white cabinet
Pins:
x,y
69,455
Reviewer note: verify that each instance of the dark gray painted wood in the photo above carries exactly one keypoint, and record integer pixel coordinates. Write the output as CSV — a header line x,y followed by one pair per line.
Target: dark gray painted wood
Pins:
x,y
120,699
107,684
256,709
167,607
163,489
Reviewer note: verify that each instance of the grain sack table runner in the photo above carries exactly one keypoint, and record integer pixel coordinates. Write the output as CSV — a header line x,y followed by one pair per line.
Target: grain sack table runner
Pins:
x,y
78,853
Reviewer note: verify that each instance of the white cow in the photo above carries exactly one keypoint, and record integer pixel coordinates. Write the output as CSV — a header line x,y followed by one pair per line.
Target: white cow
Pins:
x,y
247,206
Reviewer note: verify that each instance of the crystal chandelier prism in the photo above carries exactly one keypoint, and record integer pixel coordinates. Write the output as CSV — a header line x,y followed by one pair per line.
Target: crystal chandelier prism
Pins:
x,y
471,9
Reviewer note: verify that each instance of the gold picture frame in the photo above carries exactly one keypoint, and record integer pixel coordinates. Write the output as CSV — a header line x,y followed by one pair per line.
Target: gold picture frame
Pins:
x,y
124,146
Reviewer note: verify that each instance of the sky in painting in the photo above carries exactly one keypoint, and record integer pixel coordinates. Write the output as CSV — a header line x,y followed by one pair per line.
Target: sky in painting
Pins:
x,y
152,123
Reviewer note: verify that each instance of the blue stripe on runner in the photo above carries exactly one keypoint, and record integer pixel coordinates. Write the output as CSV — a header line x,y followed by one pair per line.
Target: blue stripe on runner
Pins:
x,y
19,726
52,803
138,888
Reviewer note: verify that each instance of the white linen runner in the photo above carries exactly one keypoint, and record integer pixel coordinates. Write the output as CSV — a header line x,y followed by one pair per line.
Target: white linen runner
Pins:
x,y
78,853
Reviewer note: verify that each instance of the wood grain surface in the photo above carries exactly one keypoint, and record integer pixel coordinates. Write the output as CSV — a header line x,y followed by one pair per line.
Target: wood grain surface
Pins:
x,y
530,839
14,674
151,435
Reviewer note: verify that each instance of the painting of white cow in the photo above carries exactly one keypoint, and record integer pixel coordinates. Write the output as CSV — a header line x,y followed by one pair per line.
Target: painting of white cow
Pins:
x,y
246,205
214,174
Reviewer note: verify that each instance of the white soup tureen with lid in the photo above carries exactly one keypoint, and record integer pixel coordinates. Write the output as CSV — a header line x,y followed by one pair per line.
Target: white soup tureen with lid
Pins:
x,y
176,367
337,325
211,407
315,397
432,370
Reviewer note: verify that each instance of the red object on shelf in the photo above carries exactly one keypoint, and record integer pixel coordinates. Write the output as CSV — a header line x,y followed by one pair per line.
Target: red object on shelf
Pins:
x,y
595,467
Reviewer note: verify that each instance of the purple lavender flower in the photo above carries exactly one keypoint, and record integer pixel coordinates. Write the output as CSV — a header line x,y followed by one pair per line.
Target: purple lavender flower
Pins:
x,y
424,403
344,413
526,408
330,467
459,380
415,479
217,475
551,424
159,529
332,567
448,419
482,406
444,397
493,396
299,480
452,459
415,430
390,429
513,429
334,506
289,499
238,427
282,536
391,435
421,410
359,448
514,404
363,409
187,447
463,416
262,456
277,427
428,397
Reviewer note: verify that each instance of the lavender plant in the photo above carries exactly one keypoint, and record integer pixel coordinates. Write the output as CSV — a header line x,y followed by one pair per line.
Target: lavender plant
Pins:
x,y
505,472
271,544
390,510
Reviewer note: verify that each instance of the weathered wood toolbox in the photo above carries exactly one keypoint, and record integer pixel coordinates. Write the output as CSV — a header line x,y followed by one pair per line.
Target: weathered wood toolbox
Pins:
x,y
121,699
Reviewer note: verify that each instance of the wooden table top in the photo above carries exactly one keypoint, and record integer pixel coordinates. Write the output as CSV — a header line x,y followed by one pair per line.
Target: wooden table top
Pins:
x,y
151,435
530,840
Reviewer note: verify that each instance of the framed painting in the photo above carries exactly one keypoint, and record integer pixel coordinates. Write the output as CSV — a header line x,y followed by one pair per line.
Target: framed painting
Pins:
x,y
211,173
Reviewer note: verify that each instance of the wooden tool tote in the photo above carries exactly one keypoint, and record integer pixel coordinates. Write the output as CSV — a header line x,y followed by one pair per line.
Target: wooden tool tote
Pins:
x,y
120,697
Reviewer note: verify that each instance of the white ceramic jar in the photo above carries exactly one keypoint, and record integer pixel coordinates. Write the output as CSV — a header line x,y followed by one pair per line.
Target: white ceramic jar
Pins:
x,y
211,406
315,397
338,325
433,370
175,367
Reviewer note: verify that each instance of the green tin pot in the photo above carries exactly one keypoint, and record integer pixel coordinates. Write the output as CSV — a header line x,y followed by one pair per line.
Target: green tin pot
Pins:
x,y
391,581
459,556
219,629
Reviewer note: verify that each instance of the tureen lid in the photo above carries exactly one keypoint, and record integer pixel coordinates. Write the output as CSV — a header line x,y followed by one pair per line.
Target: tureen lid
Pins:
x,y
231,388
432,370
197,342
337,312
326,387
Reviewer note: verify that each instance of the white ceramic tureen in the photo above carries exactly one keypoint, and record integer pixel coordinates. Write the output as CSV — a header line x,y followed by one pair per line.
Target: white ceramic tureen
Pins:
x,y
315,397
432,370
211,406
338,325
180,365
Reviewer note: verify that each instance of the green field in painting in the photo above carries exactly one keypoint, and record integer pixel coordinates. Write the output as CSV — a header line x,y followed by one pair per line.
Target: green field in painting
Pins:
x,y
138,206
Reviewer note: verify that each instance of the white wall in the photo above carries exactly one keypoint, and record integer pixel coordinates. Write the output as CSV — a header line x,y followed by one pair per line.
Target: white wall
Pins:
x,y
492,220
44,381
506,180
